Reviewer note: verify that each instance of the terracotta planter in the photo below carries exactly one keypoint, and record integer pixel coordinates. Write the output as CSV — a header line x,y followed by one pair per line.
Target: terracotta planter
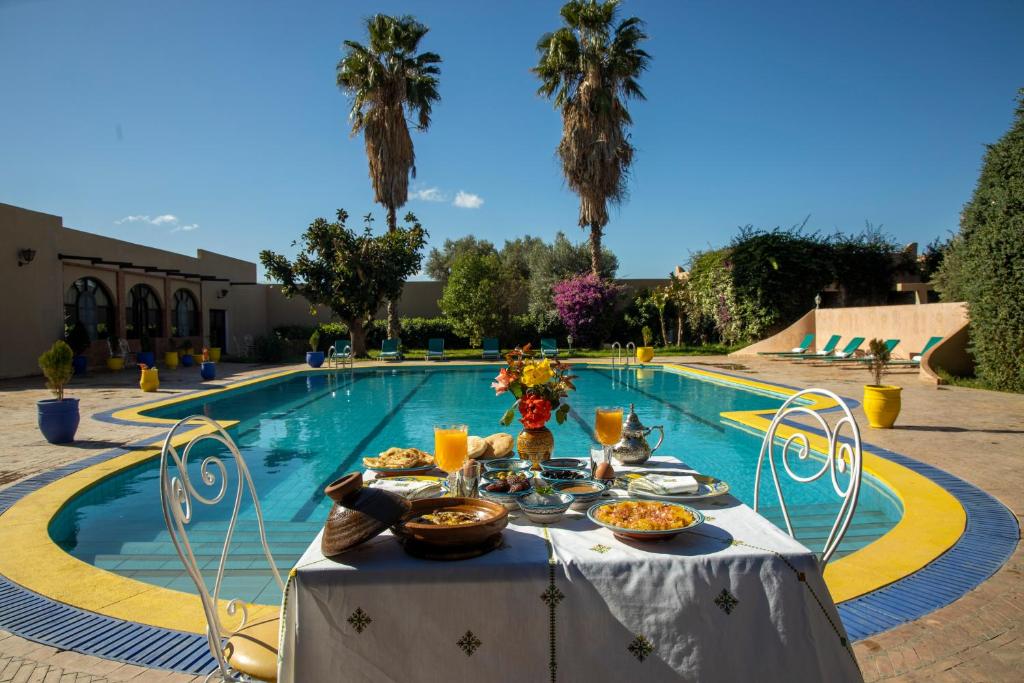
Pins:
x,y
882,405
536,445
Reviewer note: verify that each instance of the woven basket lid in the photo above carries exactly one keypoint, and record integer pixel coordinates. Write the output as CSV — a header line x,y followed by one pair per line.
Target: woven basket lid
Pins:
x,y
358,514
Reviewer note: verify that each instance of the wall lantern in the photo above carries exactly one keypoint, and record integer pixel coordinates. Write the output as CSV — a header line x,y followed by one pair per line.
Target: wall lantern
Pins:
x,y
221,293
817,300
26,256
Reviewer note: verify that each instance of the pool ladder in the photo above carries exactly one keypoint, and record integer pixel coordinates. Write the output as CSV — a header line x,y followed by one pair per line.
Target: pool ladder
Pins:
x,y
620,356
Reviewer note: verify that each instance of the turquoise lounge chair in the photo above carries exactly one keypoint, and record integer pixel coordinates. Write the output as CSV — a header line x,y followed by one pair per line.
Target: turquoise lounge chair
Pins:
x,y
915,359
829,347
890,344
548,348
341,352
492,349
435,349
802,348
845,353
390,349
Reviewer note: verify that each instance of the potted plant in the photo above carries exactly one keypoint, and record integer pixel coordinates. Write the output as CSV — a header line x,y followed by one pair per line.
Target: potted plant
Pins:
x,y
149,378
213,350
171,358
145,356
78,340
208,369
116,360
314,357
58,417
881,401
645,353
185,352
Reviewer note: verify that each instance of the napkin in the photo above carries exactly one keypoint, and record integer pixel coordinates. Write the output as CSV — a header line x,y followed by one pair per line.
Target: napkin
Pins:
x,y
411,489
663,484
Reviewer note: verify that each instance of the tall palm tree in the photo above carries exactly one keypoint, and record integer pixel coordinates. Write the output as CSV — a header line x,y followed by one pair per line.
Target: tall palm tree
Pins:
x,y
590,66
388,81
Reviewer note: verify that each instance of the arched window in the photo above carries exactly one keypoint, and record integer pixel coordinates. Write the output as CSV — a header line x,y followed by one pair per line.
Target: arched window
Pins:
x,y
87,302
143,313
185,321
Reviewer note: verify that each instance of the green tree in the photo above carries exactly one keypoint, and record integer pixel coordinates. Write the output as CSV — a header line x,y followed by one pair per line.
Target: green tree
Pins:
x,y
351,273
590,68
389,82
985,263
439,261
474,297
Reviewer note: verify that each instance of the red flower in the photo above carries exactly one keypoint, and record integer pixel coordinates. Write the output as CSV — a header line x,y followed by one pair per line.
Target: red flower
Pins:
x,y
502,382
536,411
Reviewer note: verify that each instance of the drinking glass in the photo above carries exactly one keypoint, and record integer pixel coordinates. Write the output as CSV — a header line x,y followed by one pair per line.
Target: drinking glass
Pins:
x,y
608,428
450,446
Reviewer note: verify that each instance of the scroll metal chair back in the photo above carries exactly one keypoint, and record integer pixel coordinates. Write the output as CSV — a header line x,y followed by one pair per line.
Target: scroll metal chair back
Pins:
x,y
179,494
841,457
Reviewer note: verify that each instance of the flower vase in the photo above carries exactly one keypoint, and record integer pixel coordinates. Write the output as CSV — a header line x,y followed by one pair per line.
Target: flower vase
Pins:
x,y
536,445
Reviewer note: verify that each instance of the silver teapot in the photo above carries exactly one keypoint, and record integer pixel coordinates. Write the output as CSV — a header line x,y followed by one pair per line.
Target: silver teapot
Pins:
x,y
632,448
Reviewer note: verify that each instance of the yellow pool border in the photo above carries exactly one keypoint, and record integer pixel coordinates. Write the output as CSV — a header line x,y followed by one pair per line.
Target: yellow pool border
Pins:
x,y
933,520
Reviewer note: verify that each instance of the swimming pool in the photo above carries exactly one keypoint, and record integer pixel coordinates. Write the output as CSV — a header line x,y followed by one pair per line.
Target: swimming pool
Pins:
x,y
303,430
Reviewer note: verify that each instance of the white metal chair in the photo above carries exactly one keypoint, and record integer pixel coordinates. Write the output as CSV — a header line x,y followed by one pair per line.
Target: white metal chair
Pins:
x,y
841,457
130,357
247,651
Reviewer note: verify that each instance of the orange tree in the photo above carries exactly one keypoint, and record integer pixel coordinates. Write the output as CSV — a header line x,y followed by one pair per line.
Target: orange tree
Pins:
x,y
351,273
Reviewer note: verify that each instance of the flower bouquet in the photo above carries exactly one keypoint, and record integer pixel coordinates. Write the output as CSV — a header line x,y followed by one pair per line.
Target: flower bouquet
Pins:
x,y
539,387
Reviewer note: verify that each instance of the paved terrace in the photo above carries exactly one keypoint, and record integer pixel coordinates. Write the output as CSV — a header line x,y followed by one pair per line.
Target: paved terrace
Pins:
x,y
975,435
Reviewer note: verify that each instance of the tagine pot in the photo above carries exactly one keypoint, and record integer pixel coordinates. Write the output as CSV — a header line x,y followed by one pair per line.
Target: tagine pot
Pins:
x,y
58,419
149,380
882,405
171,360
536,445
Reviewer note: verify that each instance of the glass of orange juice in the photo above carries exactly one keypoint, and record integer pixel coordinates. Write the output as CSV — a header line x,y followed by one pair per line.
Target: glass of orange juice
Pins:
x,y
608,429
450,446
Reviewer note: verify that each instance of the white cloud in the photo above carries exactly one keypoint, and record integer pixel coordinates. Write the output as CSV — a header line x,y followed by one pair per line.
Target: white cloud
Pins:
x,y
429,194
133,219
468,200
186,228
165,218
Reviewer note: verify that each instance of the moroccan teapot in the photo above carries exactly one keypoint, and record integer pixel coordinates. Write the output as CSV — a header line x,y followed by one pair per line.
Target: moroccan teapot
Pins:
x,y
632,448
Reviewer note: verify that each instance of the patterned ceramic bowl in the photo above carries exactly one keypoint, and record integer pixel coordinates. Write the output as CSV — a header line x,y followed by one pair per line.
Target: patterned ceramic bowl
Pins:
x,y
553,475
586,493
503,498
511,464
564,463
545,508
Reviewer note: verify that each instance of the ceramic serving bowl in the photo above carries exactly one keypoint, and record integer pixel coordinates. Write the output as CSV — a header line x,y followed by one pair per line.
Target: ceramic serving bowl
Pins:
x,y
545,508
509,464
491,518
585,493
503,497
497,475
564,463
553,475
644,534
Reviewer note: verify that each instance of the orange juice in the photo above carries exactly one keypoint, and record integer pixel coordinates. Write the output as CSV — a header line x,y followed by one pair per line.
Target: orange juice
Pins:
x,y
450,447
608,425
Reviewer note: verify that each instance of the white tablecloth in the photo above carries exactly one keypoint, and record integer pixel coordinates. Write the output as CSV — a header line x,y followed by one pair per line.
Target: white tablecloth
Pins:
x,y
734,600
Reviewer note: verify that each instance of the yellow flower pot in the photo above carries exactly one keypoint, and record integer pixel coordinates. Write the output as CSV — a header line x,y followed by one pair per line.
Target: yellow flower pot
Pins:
x,y
171,359
644,354
215,354
116,363
150,380
882,405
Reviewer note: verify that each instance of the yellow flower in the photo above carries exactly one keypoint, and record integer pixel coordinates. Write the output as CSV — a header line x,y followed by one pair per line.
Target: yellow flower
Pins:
x,y
537,373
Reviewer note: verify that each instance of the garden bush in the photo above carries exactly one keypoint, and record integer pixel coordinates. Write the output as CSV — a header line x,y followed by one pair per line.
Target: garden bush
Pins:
x,y
586,305
268,348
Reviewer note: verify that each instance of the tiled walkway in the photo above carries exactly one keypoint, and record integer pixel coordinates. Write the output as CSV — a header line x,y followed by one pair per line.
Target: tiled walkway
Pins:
x,y
976,435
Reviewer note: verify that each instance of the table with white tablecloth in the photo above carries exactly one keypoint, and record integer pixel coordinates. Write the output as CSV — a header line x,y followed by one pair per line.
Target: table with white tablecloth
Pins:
x,y
735,599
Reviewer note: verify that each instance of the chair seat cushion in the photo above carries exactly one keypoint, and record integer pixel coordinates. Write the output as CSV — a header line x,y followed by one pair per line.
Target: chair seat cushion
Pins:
x,y
253,650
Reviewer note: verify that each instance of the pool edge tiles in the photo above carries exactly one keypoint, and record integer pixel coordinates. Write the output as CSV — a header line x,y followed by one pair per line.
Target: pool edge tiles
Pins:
x,y
93,592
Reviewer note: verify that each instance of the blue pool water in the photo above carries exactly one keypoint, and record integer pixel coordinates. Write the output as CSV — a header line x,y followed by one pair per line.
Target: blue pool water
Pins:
x,y
301,432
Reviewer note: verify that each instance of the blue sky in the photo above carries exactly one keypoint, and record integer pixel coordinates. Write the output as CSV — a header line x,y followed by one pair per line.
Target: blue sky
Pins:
x,y
225,116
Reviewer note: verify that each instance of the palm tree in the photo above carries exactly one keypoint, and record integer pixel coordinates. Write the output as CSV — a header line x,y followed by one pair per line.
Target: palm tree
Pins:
x,y
590,66
388,81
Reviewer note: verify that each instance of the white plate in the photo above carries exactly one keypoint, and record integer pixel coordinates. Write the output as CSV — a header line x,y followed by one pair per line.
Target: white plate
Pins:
x,y
709,488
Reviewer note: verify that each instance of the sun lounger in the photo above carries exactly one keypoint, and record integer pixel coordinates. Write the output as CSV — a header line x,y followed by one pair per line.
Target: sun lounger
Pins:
x,y
847,351
492,349
435,349
802,348
890,344
390,349
915,359
548,348
828,348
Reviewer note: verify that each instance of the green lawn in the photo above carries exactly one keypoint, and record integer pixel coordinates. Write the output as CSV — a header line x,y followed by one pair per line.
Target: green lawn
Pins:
x,y
474,354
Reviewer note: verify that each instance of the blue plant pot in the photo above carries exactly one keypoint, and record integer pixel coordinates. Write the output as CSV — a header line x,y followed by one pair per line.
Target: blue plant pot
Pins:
x,y
187,360
147,358
58,420
315,358
208,370
79,364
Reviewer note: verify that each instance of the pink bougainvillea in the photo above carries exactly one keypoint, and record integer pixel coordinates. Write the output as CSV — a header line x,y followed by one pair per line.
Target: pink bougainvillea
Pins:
x,y
584,304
